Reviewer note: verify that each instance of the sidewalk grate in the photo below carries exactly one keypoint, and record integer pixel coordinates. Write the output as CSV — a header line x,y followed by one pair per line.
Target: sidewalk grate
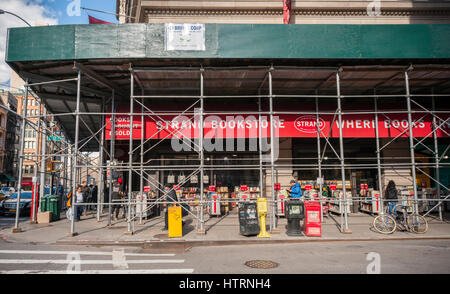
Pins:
x,y
261,264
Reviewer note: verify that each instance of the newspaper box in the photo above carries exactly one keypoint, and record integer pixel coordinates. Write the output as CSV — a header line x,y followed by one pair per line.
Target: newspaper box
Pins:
x,y
312,225
141,205
294,214
282,196
214,203
248,219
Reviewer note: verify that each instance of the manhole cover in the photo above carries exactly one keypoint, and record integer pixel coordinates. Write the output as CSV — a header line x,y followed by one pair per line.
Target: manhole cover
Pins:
x,y
261,264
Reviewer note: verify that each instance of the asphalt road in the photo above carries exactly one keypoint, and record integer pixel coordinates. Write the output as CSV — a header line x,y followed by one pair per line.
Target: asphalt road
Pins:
x,y
8,221
395,257
402,257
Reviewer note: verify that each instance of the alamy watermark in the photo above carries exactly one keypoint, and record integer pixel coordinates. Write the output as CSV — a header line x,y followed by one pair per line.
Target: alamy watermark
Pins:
x,y
229,134
374,266
374,8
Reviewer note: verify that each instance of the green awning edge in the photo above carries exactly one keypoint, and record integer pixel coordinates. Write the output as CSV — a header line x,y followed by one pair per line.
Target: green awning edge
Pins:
x,y
268,41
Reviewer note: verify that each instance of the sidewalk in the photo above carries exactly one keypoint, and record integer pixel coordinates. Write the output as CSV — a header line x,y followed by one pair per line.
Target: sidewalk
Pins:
x,y
219,231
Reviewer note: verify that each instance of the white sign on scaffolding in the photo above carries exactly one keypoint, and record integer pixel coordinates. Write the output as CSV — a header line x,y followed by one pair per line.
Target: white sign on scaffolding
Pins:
x,y
185,37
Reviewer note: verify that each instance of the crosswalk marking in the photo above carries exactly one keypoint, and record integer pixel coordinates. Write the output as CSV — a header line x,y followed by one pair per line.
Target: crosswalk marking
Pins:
x,y
82,253
58,261
150,271
117,258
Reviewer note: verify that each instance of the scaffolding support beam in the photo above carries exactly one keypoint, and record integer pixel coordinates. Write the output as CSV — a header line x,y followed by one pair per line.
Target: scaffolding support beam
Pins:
x,y
100,184
436,154
16,228
75,156
377,139
319,161
343,205
202,230
411,142
130,155
273,220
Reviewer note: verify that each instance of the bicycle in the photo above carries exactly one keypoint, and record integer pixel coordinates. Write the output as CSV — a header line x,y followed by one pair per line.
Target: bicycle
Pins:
x,y
388,222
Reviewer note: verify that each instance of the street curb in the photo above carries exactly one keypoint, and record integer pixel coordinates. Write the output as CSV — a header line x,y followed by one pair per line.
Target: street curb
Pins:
x,y
188,244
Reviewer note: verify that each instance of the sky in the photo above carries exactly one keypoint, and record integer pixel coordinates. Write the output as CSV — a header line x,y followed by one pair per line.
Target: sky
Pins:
x,y
51,12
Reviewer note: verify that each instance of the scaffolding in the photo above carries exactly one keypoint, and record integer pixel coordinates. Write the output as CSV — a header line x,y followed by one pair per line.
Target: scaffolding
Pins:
x,y
264,97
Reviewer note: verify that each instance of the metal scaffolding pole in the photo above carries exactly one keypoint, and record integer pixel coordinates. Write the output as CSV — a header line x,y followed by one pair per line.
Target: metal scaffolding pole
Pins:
x,y
100,184
130,155
202,156
16,228
319,162
36,206
141,184
411,142
111,155
260,149
273,224
43,157
436,154
75,154
341,149
377,137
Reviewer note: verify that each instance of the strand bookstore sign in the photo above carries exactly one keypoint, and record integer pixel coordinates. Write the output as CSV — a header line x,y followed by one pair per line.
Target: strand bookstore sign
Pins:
x,y
293,126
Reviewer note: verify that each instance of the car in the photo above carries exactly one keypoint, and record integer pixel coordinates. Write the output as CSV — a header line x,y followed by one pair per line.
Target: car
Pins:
x,y
6,191
8,206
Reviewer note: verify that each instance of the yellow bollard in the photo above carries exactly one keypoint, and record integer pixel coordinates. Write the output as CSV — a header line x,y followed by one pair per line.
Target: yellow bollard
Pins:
x,y
175,222
262,211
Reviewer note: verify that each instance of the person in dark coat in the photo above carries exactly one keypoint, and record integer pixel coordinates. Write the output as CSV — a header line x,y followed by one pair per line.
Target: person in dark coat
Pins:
x,y
170,196
391,195
115,197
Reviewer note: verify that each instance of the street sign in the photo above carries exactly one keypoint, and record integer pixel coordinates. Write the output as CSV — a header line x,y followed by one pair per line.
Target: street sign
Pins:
x,y
54,138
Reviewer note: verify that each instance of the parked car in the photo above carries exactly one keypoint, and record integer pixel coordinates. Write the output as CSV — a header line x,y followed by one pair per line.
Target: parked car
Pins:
x,y
8,206
6,191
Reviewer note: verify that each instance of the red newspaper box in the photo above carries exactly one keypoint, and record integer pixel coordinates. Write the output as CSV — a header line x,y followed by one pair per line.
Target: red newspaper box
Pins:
x,y
312,225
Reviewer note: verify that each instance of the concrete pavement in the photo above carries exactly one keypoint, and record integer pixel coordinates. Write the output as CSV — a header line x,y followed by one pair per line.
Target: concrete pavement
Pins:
x,y
219,231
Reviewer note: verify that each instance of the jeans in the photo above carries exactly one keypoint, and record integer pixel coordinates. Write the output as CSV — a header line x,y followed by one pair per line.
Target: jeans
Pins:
x,y
78,212
391,205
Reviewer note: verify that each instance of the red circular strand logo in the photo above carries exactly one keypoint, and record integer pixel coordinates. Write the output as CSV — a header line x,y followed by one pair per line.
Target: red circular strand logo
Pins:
x,y
307,124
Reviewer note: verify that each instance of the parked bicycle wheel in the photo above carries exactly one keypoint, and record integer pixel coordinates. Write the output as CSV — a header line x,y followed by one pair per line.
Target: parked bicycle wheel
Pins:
x,y
417,223
385,224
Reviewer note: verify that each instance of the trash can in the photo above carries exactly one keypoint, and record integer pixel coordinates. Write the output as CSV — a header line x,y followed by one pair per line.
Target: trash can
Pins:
x,y
44,200
312,225
294,213
248,218
53,206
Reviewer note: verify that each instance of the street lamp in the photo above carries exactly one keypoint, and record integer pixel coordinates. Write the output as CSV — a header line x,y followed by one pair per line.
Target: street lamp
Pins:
x,y
4,11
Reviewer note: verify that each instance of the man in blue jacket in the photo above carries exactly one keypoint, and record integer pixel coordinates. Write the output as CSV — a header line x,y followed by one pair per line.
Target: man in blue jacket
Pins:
x,y
296,189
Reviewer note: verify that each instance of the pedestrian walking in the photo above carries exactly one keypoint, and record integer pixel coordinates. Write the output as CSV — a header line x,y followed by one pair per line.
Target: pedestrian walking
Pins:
x,y
115,197
94,196
79,198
